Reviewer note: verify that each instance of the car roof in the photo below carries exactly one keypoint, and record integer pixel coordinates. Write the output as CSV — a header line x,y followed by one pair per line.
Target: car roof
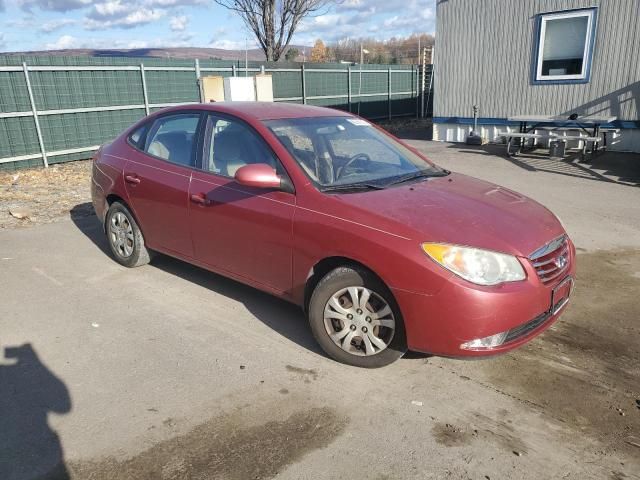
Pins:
x,y
267,110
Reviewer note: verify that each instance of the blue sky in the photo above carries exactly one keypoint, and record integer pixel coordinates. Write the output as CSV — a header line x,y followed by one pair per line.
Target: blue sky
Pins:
x,y
53,24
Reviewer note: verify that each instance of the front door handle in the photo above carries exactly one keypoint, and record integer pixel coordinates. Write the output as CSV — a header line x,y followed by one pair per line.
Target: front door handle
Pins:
x,y
200,199
132,179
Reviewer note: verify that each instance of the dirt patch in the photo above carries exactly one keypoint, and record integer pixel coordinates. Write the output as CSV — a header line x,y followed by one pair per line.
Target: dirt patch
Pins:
x,y
483,429
305,374
225,448
585,370
46,195
451,435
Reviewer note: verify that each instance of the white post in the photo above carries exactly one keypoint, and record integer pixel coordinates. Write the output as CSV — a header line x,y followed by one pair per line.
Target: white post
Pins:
x,y
34,110
389,90
197,67
144,89
360,79
304,85
424,70
349,87
417,89
246,57
431,76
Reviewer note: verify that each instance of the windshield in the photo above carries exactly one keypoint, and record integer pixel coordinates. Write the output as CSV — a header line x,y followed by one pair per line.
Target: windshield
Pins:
x,y
338,152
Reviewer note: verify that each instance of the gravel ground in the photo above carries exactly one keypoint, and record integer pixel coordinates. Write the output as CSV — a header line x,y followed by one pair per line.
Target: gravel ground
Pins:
x,y
42,195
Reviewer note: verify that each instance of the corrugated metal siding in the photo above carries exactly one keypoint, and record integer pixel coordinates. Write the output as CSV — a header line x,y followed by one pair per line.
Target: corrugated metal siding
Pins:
x,y
484,52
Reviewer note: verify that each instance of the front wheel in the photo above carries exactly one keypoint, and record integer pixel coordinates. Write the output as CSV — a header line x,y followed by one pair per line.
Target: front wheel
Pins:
x,y
356,320
125,238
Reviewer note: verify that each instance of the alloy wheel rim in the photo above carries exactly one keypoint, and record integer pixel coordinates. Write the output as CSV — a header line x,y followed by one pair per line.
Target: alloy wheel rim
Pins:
x,y
121,234
359,321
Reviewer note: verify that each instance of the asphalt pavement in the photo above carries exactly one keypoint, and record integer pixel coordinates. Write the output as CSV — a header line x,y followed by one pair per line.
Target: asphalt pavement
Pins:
x,y
168,371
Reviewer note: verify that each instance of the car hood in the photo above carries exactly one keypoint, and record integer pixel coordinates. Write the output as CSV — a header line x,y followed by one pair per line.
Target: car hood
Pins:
x,y
460,210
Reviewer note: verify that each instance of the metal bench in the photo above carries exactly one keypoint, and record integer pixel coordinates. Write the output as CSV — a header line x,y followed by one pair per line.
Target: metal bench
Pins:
x,y
509,136
549,135
586,141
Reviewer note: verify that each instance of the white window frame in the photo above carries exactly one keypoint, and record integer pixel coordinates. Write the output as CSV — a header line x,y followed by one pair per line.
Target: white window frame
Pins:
x,y
588,45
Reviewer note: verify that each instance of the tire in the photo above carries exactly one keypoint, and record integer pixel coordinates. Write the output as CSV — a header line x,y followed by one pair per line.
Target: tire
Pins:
x,y
125,238
330,306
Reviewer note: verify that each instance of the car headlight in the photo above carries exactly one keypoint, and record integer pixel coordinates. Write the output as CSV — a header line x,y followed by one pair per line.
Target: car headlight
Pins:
x,y
482,267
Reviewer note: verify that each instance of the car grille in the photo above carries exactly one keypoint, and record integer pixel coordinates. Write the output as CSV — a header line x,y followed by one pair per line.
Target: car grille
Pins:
x,y
526,328
551,260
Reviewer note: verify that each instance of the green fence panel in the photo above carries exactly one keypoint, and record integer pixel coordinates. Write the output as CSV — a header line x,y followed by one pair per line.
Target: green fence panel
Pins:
x,y
18,137
171,87
62,89
83,89
326,83
287,84
74,130
14,96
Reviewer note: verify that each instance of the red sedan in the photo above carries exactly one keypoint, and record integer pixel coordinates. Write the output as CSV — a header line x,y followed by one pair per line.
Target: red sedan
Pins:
x,y
382,249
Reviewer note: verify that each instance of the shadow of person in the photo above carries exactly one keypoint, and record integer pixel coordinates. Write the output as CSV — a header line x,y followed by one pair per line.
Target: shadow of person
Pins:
x,y
29,448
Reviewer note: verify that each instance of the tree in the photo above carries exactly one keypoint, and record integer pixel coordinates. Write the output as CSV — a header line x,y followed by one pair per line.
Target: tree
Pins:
x,y
273,22
394,50
291,54
319,52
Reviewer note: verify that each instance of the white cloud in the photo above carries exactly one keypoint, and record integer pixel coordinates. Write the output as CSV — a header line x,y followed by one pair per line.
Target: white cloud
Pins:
x,y
54,5
233,44
54,25
117,14
3,42
179,23
174,3
382,19
70,42
63,43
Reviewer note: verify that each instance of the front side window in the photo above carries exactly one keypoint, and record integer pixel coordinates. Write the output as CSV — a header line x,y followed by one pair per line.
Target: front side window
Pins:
x,y
565,45
172,138
231,144
339,153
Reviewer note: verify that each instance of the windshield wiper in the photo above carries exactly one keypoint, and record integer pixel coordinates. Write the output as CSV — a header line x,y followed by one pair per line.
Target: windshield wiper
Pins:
x,y
415,175
352,187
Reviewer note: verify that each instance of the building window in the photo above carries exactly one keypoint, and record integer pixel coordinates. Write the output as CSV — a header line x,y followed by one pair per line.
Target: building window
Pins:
x,y
565,46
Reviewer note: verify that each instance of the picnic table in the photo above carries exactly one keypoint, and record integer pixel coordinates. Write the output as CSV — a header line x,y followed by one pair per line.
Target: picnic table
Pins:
x,y
591,125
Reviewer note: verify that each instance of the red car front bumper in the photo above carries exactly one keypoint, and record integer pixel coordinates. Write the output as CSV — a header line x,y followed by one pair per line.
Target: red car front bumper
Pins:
x,y
461,312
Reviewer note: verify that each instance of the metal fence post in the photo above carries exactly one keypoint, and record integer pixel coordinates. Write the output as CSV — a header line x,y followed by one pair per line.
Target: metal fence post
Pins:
x,y
417,90
389,91
349,87
304,85
431,80
144,89
34,110
233,70
261,69
424,66
197,67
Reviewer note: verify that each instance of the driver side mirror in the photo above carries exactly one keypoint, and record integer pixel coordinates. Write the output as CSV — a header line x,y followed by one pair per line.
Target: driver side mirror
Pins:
x,y
261,175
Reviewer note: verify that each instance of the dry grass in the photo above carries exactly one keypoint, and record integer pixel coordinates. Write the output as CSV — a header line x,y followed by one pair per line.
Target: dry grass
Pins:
x,y
44,195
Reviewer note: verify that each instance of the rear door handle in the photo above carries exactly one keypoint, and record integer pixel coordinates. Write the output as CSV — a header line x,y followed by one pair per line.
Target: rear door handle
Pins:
x,y
132,179
200,199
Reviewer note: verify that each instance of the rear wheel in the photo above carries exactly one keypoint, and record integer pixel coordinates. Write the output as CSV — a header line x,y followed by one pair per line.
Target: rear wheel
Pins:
x,y
125,238
355,319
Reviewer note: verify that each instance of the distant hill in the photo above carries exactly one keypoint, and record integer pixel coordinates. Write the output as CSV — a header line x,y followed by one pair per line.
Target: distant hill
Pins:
x,y
187,52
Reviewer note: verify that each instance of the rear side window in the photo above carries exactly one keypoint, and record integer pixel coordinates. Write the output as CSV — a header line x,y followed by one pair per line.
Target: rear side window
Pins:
x,y
172,138
135,137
